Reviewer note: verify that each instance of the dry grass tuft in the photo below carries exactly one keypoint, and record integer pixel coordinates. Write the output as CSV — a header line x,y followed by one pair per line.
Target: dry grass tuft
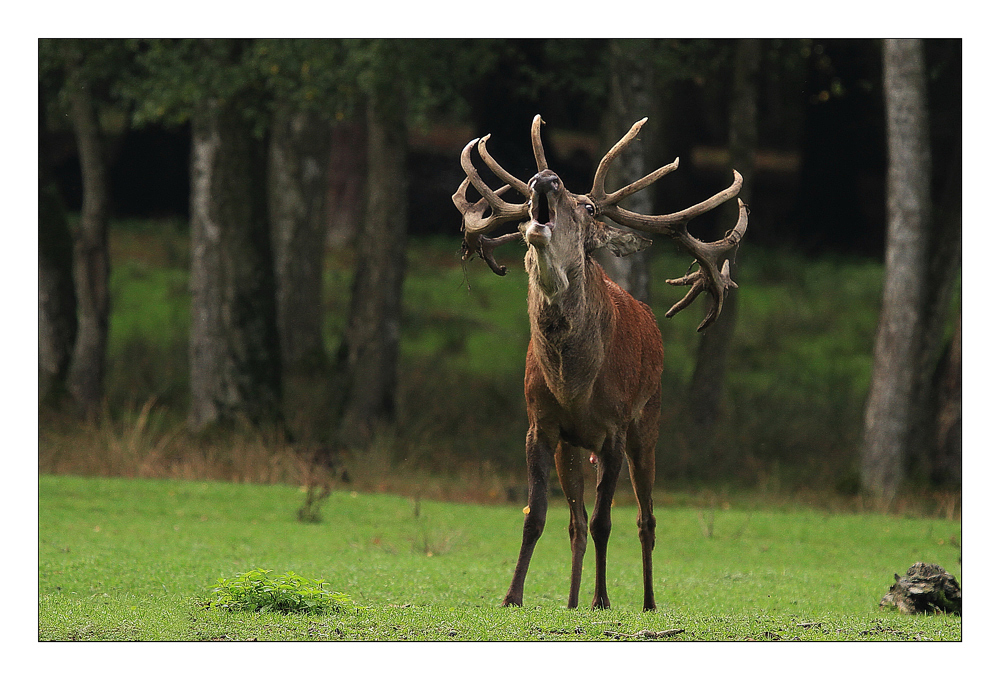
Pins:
x,y
146,442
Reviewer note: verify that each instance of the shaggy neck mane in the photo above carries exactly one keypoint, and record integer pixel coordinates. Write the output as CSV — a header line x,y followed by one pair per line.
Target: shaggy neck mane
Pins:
x,y
569,332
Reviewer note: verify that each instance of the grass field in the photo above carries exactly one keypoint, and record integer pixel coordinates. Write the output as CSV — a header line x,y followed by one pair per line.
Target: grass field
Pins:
x,y
133,559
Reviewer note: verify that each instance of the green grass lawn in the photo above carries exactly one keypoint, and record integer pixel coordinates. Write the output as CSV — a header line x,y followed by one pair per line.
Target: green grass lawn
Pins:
x,y
132,559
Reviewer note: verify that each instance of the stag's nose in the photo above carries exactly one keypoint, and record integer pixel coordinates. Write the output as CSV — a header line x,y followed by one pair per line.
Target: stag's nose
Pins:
x,y
545,182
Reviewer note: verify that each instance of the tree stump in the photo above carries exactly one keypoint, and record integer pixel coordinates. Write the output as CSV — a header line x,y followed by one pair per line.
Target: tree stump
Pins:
x,y
926,589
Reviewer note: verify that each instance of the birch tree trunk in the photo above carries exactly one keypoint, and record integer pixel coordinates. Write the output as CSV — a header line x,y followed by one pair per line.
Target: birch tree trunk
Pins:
x,y
891,408
235,361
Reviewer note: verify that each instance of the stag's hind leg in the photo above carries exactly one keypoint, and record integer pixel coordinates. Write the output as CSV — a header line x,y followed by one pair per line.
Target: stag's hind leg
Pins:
x,y
641,452
569,464
609,465
539,453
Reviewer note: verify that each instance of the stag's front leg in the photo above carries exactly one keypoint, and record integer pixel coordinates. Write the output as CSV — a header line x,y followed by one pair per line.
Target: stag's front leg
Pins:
x,y
569,465
539,453
609,465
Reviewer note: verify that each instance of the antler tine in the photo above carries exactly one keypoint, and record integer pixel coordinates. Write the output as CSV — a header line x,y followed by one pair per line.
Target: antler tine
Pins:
x,y
536,143
665,224
599,194
484,247
473,220
710,276
475,224
472,213
498,170
641,184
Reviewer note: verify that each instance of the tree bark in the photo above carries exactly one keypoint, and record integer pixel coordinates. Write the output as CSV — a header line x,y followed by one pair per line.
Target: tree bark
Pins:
x,y
297,163
937,438
366,372
345,197
946,458
890,412
234,355
709,378
630,100
91,267
56,294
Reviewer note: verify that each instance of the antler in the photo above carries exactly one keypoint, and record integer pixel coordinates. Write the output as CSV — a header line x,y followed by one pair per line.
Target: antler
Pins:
x,y
713,274
475,223
536,143
598,194
710,275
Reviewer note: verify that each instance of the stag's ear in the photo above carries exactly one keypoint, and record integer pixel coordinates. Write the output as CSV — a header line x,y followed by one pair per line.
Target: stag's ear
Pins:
x,y
618,241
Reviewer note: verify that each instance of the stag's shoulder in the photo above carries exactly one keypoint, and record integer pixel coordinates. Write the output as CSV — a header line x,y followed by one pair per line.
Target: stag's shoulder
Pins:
x,y
626,305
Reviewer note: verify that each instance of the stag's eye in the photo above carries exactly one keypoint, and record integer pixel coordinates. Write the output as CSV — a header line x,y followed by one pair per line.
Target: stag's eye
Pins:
x,y
589,208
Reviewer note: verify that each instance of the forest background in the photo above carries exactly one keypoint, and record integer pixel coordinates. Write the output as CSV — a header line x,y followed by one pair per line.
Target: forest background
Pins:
x,y
357,343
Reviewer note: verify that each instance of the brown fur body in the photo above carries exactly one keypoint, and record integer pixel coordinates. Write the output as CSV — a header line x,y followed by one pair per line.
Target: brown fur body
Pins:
x,y
592,374
591,383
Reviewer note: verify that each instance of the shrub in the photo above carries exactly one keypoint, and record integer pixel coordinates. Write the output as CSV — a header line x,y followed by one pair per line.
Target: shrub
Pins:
x,y
257,590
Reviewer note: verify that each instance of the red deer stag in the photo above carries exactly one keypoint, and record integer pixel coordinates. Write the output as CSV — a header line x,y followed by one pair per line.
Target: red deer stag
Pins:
x,y
592,373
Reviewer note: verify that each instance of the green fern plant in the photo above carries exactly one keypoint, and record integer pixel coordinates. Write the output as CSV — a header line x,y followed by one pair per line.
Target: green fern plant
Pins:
x,y
289,593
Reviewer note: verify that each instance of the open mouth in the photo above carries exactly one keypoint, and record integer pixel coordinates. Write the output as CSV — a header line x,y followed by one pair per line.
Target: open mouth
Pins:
x,y
540,211
538,231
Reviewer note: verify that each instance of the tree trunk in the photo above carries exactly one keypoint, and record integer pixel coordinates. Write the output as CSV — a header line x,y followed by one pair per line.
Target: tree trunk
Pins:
x,y
56,294
365,377
90,250
946,458
345,197
297,164
630,100
890,413
235,361
709,376
937,439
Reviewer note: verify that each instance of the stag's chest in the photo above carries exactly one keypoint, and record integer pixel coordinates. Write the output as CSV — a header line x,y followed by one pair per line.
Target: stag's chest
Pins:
x,y
569,356
561,384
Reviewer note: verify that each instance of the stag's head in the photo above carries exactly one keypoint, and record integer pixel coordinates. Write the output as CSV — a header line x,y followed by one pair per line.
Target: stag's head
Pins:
x,y
562,228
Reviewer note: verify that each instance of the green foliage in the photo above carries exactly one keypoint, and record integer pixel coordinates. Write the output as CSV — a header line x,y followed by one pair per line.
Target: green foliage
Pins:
x,y
330,77
430,75
101,65
258,591
177,75
309,75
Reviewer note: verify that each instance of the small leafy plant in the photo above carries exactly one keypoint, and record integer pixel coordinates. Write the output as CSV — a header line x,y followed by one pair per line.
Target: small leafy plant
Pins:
x,y
288,593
